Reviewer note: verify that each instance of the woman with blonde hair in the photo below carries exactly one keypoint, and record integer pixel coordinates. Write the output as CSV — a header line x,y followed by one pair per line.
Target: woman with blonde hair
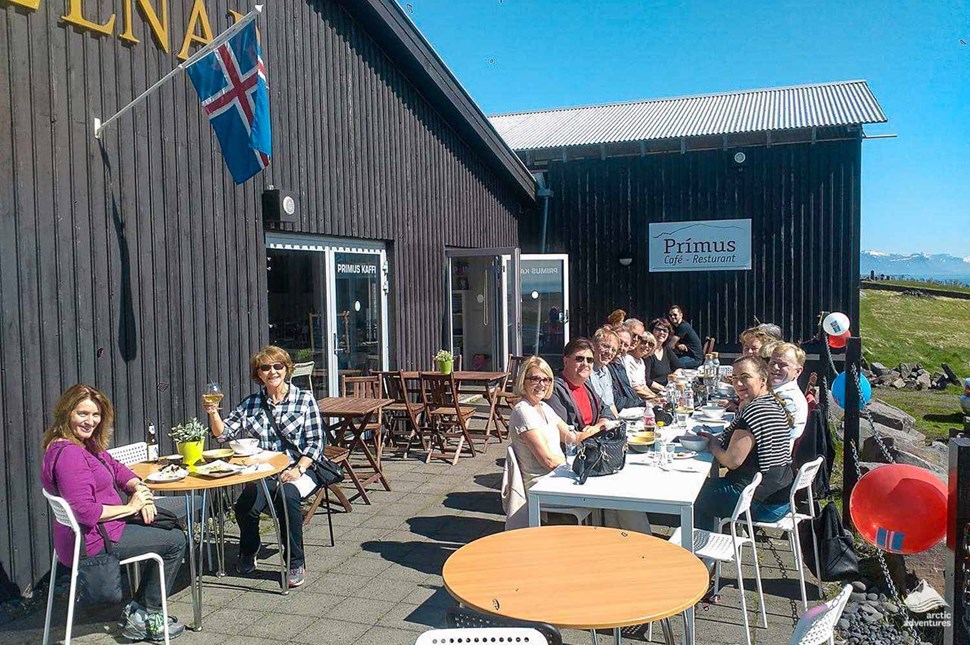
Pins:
x,y
279,409
78,468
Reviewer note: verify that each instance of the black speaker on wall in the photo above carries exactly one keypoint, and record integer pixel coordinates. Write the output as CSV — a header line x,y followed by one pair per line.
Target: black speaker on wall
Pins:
x,y
279,209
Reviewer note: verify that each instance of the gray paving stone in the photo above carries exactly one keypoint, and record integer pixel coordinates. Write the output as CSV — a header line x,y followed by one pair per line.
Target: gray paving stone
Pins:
x,y
361,610
279,626
327,631
386,636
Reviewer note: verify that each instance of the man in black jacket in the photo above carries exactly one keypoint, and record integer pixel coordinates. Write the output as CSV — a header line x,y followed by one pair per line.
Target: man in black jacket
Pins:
x,y
573,399
624,396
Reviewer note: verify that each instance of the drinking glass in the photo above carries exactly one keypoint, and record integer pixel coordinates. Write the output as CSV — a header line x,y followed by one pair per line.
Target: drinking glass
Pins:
x,y
669,453
680,417
212,394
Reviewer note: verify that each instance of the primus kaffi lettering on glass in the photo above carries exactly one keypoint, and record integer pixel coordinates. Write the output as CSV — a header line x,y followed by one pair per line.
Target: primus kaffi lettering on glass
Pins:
x,y
707,245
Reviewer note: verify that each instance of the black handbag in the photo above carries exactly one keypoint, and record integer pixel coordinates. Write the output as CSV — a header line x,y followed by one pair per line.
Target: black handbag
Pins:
x,y
835,547
164,519
98,576
602,454
327,473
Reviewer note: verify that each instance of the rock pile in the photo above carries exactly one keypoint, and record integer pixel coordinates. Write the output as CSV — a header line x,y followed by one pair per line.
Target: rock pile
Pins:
x,y
871,618
910,376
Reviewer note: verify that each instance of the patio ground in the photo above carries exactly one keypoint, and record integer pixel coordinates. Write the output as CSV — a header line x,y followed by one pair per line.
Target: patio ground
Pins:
x,y
381,583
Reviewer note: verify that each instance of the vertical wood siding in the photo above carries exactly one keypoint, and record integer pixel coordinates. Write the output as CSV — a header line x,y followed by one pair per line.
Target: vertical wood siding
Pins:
x,y
804,204
137,266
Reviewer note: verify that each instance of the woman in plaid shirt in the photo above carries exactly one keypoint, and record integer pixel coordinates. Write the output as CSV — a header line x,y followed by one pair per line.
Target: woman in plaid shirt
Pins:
x,y
298,419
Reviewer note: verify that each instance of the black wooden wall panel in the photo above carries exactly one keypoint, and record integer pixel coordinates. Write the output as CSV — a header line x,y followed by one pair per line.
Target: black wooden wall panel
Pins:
x,y
135,264
804,204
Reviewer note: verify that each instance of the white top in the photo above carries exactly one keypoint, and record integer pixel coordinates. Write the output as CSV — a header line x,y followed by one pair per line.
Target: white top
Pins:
x,y
796,404
540,419
636,370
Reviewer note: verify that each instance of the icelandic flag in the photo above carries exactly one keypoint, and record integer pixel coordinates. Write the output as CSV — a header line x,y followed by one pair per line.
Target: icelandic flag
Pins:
x,y
231,82
887,540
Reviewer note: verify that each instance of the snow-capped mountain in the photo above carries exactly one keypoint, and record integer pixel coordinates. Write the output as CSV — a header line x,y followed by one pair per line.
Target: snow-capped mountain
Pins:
x,y
922,266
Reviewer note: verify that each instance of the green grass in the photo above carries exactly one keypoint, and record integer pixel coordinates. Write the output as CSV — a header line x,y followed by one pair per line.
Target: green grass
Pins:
x,y
935,411
896,327
926,286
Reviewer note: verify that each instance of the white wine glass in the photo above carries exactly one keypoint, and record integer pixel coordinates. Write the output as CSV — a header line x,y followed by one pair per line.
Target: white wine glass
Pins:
x,y
212,394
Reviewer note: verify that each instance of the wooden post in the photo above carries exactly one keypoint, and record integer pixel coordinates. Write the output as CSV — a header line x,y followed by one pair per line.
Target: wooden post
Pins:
x,y
853,358
957,628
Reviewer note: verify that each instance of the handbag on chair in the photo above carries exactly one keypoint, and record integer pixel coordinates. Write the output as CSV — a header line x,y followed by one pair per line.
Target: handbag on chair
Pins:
x,y
835,546
602,454
327,472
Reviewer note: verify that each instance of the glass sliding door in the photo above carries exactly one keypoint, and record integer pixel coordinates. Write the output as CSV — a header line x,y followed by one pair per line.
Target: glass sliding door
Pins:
x,y
328,304
483,318
545,306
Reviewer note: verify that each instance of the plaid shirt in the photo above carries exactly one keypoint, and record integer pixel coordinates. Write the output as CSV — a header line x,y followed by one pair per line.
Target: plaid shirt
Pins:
x,y
297,416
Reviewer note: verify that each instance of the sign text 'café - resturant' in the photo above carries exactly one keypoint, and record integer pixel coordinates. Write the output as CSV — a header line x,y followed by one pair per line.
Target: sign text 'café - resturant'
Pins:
x,y
706,245
85,16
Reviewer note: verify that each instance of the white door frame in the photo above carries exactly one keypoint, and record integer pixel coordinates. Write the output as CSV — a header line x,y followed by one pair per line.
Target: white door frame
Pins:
x,y
330,246
565,284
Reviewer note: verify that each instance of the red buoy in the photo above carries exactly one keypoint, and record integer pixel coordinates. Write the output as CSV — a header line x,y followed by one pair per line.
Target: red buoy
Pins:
x,y
899,508
838,342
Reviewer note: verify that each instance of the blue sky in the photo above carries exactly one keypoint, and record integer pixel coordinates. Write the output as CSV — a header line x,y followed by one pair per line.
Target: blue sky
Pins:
x,y
514,55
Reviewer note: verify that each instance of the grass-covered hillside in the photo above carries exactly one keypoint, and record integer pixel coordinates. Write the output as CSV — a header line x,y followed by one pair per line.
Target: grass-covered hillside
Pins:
x,y
930,330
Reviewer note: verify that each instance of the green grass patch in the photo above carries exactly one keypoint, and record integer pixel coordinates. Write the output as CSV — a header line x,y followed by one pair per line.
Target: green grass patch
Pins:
x,y
926,286
935,411
899,328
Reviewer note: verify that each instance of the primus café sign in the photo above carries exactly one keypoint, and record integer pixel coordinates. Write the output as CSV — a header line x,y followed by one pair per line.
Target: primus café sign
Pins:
x,y
706,245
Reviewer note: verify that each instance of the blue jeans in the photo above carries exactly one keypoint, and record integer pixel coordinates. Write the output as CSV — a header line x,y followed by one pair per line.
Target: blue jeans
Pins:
x,y
689,362
717,499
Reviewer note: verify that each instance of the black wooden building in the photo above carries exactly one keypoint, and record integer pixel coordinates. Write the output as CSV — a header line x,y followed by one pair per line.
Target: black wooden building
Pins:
x,y
134,264
787,159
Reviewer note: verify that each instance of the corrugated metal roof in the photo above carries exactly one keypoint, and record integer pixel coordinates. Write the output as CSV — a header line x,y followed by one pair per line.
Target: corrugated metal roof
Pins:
x,y
780,108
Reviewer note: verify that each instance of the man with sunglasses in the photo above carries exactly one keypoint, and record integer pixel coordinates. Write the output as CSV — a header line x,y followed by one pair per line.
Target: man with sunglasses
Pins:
x,y
636,367
573,398
624,396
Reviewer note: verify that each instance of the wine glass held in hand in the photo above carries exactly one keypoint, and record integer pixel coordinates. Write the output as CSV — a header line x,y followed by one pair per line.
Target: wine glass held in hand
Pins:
x,y
212,396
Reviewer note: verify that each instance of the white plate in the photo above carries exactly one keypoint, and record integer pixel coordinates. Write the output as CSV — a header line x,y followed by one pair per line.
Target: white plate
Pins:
x,y
631,414
246,453
218,469
159,477
686,454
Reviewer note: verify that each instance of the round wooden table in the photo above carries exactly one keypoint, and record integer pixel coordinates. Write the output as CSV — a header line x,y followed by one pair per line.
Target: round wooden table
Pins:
x,y
580,577
189,486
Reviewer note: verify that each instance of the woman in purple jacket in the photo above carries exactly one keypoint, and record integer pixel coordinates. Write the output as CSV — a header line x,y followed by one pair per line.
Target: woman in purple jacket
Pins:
x,y
78,468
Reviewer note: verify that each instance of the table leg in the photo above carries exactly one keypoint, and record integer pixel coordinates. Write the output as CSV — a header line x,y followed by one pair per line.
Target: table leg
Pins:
x,y
285,561
534,517
617,635
596,637
221,536
195,581
491,395
358,433
668,632
687,541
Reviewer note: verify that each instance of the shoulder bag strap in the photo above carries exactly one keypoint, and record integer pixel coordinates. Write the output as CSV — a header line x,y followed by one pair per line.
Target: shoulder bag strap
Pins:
x,y
276,429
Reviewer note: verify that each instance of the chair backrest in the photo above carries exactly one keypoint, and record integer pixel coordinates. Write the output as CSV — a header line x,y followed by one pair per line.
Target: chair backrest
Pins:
x,y
744,501
302,369
131,453
817,625
804,478
396,387
709,344
812,381
361,387
462,617
519,635
512,367
62,512
439,390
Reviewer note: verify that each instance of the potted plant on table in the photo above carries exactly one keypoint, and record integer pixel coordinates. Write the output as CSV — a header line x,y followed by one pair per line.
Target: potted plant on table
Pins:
x,y
445,361
189,440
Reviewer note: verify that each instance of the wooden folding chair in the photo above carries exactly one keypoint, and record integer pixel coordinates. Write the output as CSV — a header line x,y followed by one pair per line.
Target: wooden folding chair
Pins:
x,y
367,387
506,398
403,417
447,418
339,456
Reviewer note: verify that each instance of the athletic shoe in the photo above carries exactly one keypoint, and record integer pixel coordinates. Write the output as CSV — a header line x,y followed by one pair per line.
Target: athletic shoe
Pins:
x,y
246,565
143,625
296,577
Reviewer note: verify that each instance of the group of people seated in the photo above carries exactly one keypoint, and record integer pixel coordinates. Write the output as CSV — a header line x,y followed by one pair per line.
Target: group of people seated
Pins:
x,y
78,468
626,365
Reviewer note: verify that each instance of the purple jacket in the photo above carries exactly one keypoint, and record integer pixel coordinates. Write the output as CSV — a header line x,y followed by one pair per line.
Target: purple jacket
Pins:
x,y
88,485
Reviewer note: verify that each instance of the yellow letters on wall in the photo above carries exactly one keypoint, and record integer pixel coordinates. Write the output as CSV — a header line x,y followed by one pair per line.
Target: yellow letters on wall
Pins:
x,y
75,17
30,4
200,17
159,26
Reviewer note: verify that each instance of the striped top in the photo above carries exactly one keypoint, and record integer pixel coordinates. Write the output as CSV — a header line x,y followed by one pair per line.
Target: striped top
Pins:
x,y
765,418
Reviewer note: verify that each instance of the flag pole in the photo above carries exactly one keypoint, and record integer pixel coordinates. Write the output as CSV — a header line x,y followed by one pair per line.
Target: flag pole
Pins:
x,y
100,125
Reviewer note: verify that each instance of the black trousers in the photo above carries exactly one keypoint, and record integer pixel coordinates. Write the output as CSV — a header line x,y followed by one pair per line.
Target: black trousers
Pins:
x,y
168,543
252,503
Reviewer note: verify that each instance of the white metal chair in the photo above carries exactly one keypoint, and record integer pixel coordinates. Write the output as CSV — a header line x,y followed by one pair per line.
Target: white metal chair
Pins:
x,y
519,635
721,547
64,515
304,370
131,453
789,523
817,625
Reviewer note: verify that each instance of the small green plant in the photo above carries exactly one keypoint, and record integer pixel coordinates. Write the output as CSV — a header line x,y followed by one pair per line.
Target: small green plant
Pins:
x,y
189,431
444,355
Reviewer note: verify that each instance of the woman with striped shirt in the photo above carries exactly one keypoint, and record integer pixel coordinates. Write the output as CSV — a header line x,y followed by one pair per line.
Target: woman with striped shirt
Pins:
x,y
756,441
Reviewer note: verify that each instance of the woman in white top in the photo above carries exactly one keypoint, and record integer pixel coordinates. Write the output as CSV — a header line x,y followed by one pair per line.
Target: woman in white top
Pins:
x,y
537,431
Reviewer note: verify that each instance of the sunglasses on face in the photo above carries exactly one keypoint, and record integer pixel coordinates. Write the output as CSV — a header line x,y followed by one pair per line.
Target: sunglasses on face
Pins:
x,y
544,380
275,366
583,359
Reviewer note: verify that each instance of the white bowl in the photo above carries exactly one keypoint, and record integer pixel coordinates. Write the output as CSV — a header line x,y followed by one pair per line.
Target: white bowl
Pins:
x,y
725,388
694,442
244,446
713,411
